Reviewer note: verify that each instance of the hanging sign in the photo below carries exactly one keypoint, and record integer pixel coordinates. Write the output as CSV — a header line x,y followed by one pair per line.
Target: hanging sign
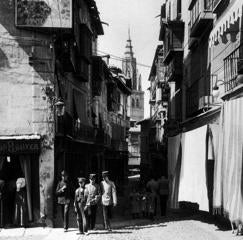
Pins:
x,y
43,13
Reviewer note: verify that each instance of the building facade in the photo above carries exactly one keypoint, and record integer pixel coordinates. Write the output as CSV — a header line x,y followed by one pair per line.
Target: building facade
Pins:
x,y
202,56
154,160
56,96
136,111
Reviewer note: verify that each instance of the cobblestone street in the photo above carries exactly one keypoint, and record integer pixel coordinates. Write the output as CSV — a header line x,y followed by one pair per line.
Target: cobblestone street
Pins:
x,y
176,228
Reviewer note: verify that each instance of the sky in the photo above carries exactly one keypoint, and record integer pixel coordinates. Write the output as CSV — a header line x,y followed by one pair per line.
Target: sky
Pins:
x,y
139,16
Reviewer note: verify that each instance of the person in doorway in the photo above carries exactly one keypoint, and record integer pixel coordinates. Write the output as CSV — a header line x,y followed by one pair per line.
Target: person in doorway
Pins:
x,y
20,203
93,191
80,201
153,187
163,185
108,199
63,192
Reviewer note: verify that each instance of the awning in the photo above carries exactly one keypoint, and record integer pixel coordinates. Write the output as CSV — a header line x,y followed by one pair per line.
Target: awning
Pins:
x,y
228,171
223,24
174,164
192,187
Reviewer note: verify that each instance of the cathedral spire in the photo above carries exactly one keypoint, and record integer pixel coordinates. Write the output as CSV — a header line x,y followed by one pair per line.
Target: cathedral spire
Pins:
x,y
129,48
129,63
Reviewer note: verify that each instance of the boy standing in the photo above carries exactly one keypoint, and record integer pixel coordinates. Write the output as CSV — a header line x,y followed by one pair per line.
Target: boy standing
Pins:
x,y
80,200
93,192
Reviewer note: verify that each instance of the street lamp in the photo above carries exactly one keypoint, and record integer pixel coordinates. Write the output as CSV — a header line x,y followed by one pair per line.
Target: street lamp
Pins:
x,y
239,79
60,108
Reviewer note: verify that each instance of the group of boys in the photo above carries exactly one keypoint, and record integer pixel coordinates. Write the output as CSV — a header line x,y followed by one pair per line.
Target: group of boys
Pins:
x,y
87,197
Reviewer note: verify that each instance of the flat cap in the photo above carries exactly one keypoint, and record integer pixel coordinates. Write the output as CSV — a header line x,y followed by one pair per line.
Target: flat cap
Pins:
x,y
105,173
92,176
81,180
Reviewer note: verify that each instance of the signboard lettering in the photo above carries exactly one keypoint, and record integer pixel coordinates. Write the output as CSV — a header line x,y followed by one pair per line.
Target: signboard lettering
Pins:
x,y
19,146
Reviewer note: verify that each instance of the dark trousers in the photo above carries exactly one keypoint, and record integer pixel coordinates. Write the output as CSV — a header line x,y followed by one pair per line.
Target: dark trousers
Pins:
x,y
65,214
163,204
155,205
81,219
92,216
107,214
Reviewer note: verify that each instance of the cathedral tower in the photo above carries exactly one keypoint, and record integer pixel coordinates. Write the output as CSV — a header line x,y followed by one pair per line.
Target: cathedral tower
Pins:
x,y
129,67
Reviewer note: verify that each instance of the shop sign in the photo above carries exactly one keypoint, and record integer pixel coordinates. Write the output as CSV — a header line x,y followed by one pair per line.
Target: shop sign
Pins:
x,y
19,146
43,13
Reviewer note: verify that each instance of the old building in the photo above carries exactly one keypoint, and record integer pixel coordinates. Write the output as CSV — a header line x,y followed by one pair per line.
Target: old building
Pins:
x,y
48,71
129,67
116,156
153,157
202,55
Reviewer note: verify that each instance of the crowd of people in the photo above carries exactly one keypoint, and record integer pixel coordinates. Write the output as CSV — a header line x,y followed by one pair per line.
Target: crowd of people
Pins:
x,y
86,199
144,201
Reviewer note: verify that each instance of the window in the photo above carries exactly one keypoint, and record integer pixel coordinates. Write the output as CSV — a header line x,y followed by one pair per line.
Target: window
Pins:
x,y
137,103
133,103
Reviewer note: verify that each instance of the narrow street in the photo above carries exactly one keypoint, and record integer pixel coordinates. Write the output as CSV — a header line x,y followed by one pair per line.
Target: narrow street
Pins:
x,y
176,228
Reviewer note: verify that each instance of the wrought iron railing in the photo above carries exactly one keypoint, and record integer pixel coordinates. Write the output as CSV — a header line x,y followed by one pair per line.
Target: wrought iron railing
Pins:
x,y
198,9
232,64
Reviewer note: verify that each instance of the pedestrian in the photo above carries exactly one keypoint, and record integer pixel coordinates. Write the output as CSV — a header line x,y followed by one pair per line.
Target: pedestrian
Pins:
x,y
143,200
135,203
163,185
93,191
80,201
20,203
63,192
149,204
109,199
153,187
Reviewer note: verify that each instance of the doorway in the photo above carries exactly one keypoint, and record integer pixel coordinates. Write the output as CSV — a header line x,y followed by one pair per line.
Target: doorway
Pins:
x,y
10,172
12,168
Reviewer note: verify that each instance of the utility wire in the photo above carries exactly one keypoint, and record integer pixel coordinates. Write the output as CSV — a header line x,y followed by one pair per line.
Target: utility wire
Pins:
x,y
114,57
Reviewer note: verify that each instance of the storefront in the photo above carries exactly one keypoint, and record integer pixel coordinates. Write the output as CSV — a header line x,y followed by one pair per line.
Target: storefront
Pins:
x,y
19,158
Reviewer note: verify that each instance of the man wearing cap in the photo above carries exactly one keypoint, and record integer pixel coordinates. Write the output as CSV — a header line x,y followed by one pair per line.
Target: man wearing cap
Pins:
x,y
80,200
109,199
93,191
63,192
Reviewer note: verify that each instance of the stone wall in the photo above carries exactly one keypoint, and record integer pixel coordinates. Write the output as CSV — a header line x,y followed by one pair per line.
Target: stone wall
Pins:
x,y
27,93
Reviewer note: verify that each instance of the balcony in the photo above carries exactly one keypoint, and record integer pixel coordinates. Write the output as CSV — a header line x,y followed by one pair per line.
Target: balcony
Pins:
x,y
174,68
233,65
162,22
201,18
219,5
197,97
173,43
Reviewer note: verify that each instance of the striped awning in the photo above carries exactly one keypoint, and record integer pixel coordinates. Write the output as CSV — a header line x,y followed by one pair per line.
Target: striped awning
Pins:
x,y
231,15
228,175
